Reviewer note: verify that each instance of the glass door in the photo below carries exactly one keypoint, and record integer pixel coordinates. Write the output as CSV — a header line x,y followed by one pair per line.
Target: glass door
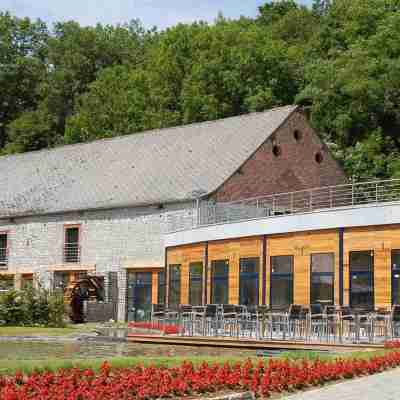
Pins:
x,y
362,279
139,296
395,276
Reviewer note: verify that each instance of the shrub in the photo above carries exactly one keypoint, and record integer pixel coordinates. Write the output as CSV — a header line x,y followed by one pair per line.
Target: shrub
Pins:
x,y
32,307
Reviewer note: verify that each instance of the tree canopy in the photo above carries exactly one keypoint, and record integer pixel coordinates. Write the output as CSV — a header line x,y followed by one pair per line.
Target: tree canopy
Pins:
x,y
338,59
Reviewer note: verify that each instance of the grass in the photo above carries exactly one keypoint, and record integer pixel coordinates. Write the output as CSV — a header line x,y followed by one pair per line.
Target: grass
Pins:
x,y
9,367
40,331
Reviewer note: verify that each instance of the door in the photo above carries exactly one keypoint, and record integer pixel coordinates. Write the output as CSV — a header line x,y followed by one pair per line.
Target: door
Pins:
x,y
139,296
395,276
361,279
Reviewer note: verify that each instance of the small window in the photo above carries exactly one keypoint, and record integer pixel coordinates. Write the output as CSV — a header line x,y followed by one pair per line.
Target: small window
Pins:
x,y
319,158
297,135
276,150
72,251
3,249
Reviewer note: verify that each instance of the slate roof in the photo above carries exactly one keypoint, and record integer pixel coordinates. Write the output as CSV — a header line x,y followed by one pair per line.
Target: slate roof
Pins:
x,y
160,166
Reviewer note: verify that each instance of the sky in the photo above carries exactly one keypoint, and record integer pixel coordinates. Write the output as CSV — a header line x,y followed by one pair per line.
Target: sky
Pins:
x,y
160,13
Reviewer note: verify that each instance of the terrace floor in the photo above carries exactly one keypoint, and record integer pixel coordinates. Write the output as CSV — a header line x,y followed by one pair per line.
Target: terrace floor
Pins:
x,y
384,386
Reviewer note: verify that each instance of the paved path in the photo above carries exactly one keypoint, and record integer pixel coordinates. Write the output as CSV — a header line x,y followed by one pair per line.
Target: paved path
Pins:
x,y
384,386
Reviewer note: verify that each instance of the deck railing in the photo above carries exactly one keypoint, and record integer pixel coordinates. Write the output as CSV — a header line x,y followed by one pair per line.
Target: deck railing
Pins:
x,y
352,195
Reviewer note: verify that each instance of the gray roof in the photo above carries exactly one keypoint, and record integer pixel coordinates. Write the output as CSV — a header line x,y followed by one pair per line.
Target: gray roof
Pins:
x,y
160,166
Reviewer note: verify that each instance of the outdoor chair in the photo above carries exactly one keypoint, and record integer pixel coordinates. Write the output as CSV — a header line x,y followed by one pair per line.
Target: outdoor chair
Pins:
x,y
198,320
296,321
332,322
229,322
210,320
157,312
316,322
185,317
395,321
381,323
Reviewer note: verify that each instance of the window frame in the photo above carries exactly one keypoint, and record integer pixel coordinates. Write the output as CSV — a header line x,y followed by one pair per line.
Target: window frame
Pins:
x,y
158,287
4,265
257,276
170,280
392,275
291,274
213,262
371,272
323,274
191,265
78,243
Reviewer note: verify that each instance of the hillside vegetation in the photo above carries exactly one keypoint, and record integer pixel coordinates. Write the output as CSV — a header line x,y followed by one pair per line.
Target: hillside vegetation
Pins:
x,y
339,59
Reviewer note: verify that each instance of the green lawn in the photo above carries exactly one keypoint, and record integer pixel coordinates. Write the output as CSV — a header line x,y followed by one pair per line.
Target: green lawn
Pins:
x,y
39,331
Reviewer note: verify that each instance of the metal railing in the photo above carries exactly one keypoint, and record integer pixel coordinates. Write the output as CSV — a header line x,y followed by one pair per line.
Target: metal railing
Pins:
x,y
72,253
304,201
3,257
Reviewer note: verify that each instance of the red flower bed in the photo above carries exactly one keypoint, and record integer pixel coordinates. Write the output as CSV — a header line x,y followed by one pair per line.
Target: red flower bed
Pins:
x,y
156,326
392,344
263,379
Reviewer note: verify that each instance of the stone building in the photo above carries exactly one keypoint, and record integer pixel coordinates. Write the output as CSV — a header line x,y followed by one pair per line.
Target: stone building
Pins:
x,y
102,207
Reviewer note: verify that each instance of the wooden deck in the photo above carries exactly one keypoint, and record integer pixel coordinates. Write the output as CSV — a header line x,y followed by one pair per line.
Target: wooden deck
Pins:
x,y
250,343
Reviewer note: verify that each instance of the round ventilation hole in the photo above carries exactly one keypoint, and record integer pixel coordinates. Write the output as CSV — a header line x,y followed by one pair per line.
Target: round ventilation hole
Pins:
x,y
276,150
319,158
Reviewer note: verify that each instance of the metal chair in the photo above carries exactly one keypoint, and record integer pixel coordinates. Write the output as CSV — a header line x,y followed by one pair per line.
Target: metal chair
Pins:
x,y
229,323
185,317
157,313
316,322
395,321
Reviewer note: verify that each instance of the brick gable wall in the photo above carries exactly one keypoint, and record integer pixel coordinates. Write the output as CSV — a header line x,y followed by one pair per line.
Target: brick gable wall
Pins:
x,y
295,168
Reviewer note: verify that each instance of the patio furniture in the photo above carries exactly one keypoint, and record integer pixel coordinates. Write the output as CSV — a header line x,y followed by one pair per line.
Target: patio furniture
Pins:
x,y
316,322
395,321
157,312
229,323
185,317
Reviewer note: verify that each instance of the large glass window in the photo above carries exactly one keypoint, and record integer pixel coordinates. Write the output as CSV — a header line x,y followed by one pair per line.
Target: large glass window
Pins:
x,y
174,285
322,278
161,288
220,282
281,281
248,281
361,279
3,249
395,276
196,283
139,296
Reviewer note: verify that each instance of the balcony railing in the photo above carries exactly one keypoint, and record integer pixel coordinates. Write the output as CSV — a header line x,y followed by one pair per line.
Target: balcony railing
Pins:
x,y
3,257
351,195
72,253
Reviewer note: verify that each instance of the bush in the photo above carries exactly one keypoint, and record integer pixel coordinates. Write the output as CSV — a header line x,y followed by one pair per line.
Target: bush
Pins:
x,y
32,307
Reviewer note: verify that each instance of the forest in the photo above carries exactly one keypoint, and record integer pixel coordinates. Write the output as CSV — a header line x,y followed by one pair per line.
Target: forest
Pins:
x,y
339,59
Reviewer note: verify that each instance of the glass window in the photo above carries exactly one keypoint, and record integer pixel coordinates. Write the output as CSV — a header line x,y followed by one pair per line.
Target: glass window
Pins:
x,y
395,276
196,284
3,249
220,282
361,279
139,296
71,245
248,281
174,285
322,278
161,288
281,281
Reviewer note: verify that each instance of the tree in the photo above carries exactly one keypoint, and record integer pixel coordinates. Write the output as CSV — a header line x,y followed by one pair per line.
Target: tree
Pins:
x,y
23,48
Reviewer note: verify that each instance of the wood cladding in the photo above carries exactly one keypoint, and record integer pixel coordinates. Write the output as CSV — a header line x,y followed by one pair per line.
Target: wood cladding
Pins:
x,y
379,239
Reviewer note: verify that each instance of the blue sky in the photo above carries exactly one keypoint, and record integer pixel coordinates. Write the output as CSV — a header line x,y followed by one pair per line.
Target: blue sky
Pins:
x,y
161,13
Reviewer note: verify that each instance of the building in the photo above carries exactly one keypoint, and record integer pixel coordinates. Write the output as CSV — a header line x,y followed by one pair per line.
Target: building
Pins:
x,y
102,207
338,245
